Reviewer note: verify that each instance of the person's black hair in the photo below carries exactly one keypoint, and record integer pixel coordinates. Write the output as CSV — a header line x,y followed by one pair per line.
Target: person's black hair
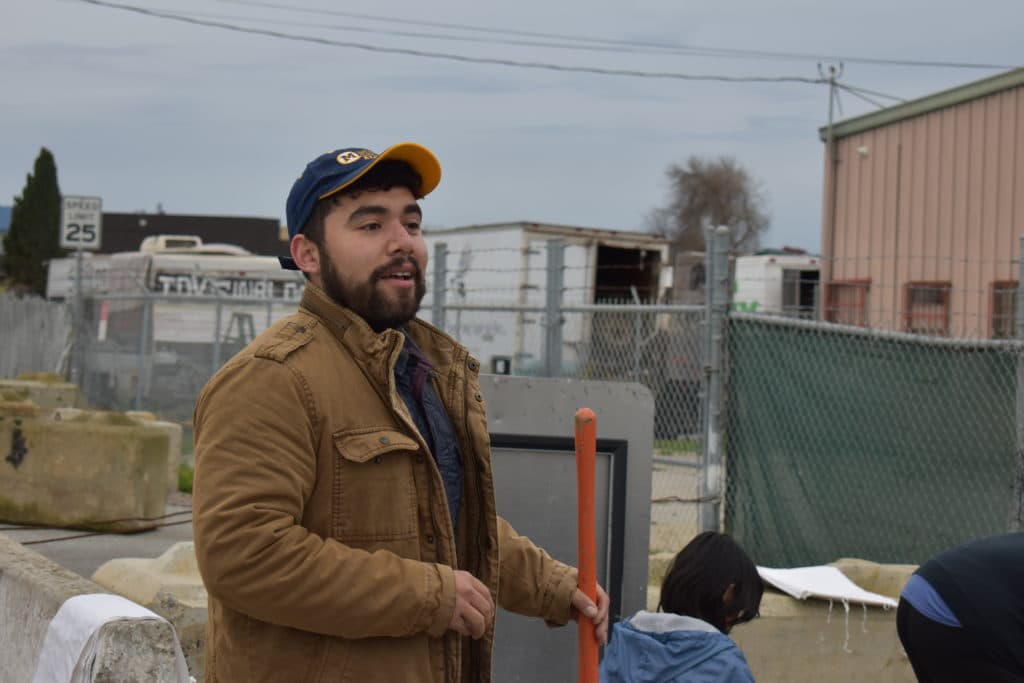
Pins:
x,y
384,176
700,575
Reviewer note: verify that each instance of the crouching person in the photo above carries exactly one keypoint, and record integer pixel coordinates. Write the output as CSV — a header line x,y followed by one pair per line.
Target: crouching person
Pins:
x,y
711,586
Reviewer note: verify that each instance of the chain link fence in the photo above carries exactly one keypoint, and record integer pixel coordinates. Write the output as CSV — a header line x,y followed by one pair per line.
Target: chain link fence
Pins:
x,y
826,440
37,335
155,352
844,442
660,348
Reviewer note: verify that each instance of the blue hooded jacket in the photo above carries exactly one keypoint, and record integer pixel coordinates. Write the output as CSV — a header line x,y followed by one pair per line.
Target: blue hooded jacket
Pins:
x,y
656,647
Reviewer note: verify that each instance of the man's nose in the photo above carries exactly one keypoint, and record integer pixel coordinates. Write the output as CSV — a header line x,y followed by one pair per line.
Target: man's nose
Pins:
x,y
399,238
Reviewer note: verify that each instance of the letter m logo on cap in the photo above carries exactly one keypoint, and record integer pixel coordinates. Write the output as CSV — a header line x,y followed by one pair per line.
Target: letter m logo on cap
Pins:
x,y
351,156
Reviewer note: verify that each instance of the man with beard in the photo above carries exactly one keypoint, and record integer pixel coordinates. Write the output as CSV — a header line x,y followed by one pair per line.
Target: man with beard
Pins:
x,y
343,506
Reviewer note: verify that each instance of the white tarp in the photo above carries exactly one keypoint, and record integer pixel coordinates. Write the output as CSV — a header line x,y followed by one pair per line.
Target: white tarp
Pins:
x,y
821,582
69,648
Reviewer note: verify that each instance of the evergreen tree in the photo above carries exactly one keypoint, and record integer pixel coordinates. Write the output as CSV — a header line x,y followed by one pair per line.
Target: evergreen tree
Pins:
x,y
33,237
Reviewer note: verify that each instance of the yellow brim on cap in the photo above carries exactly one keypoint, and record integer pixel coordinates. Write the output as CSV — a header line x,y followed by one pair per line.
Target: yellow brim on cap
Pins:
x,y
419,157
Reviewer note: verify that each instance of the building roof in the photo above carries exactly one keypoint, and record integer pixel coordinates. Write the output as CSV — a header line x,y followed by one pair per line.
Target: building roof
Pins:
x,y
925,105
557,230
125,231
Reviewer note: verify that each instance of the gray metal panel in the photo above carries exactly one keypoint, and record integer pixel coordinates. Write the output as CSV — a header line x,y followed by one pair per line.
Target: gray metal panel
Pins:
x,y
531,425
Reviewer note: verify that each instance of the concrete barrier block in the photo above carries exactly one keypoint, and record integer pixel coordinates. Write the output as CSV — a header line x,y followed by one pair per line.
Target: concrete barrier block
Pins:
x,y
33,589
94,471
174,435
798,641
46,391
171,586
657,566
13,408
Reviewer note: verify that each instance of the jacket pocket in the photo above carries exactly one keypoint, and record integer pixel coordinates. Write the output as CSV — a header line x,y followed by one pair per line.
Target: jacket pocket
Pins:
x,y
374,498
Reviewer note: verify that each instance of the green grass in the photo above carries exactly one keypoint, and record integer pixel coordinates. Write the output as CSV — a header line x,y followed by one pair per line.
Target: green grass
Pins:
x,y
677,445
185,475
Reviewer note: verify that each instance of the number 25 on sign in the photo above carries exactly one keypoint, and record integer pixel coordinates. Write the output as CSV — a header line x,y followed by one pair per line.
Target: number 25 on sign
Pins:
x,y
80,222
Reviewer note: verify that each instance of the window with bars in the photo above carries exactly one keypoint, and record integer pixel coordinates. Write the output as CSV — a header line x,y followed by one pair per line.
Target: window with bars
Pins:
x,y
847,302
926,309
1004,309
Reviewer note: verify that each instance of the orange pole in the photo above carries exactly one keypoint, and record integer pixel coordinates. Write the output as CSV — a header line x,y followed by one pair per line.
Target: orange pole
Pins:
x,y
586,454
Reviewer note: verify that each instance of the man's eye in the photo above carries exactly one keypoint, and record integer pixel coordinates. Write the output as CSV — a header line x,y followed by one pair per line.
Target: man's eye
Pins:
x,y
412,226
371,226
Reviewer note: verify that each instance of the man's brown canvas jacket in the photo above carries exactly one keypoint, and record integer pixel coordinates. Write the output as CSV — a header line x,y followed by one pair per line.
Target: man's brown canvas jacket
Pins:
x,y
321,524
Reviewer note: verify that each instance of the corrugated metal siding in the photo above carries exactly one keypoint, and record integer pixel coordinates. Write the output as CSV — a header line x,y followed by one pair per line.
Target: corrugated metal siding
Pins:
x,y
936,198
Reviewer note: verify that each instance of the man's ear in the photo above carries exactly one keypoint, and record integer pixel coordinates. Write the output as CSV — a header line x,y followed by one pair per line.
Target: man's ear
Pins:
x,y
305,254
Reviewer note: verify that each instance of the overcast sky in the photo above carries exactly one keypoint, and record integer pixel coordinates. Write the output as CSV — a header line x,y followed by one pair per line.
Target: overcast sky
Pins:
x,y
144,111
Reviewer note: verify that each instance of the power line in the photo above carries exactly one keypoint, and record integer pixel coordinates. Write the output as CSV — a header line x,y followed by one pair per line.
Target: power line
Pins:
x,y
874,92
449,56
627,48
855,93
690,49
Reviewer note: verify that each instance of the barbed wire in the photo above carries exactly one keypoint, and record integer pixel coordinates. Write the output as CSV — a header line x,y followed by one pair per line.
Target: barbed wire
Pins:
x,y
519,251
473,269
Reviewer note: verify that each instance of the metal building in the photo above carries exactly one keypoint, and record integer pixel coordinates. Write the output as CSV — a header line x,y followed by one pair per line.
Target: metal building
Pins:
x,y
923,210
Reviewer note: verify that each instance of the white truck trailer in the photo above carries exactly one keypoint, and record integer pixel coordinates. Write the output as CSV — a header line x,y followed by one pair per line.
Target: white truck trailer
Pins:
x,y
506,263
187,305
778,282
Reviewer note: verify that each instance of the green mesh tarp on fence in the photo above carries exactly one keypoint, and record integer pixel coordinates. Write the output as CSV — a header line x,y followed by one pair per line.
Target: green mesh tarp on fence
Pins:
x,y
842,444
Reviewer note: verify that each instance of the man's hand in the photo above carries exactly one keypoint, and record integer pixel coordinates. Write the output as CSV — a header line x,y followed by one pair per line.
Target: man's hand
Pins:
x,y
598,614
474,608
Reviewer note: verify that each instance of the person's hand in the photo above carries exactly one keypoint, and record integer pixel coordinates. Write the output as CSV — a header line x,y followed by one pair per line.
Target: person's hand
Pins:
x,y
598,614
474,608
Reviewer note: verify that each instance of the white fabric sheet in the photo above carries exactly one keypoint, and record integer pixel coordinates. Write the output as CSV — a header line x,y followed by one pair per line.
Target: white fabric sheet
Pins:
x,y
69,649
821,582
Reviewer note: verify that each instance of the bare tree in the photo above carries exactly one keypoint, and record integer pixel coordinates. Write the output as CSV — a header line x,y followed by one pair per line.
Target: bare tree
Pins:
x,y
711,192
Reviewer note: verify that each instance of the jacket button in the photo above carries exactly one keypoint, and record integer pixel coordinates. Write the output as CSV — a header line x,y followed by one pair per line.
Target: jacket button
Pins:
x,y
478,396
473,365
384,440
377,460
430,538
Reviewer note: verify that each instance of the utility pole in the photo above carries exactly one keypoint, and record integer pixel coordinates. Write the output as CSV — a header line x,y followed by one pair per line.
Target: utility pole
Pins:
x,y
1017,506
831,76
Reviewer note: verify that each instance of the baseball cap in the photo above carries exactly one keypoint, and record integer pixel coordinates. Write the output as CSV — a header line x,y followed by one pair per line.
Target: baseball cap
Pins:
x,y
332,172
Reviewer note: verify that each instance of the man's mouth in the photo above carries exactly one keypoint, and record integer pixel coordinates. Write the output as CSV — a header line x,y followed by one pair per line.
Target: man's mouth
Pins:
x,y
403,272
406,274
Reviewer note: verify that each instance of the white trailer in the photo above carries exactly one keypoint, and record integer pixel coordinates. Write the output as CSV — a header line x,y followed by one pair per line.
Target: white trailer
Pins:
x,y
779,283
169,313
506,263
185,273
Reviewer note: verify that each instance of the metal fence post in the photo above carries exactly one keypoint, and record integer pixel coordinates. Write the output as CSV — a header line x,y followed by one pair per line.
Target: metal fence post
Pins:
x,y
717,241
215,362
141,381
553,308
638,335
440,274
78,323
1017,507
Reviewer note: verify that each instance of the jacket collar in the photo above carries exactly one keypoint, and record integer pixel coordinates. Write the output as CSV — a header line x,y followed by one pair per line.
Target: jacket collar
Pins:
x,y
378,352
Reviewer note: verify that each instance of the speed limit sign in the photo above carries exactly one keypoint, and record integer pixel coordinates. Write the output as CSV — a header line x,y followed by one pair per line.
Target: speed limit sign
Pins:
x,y
81,219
